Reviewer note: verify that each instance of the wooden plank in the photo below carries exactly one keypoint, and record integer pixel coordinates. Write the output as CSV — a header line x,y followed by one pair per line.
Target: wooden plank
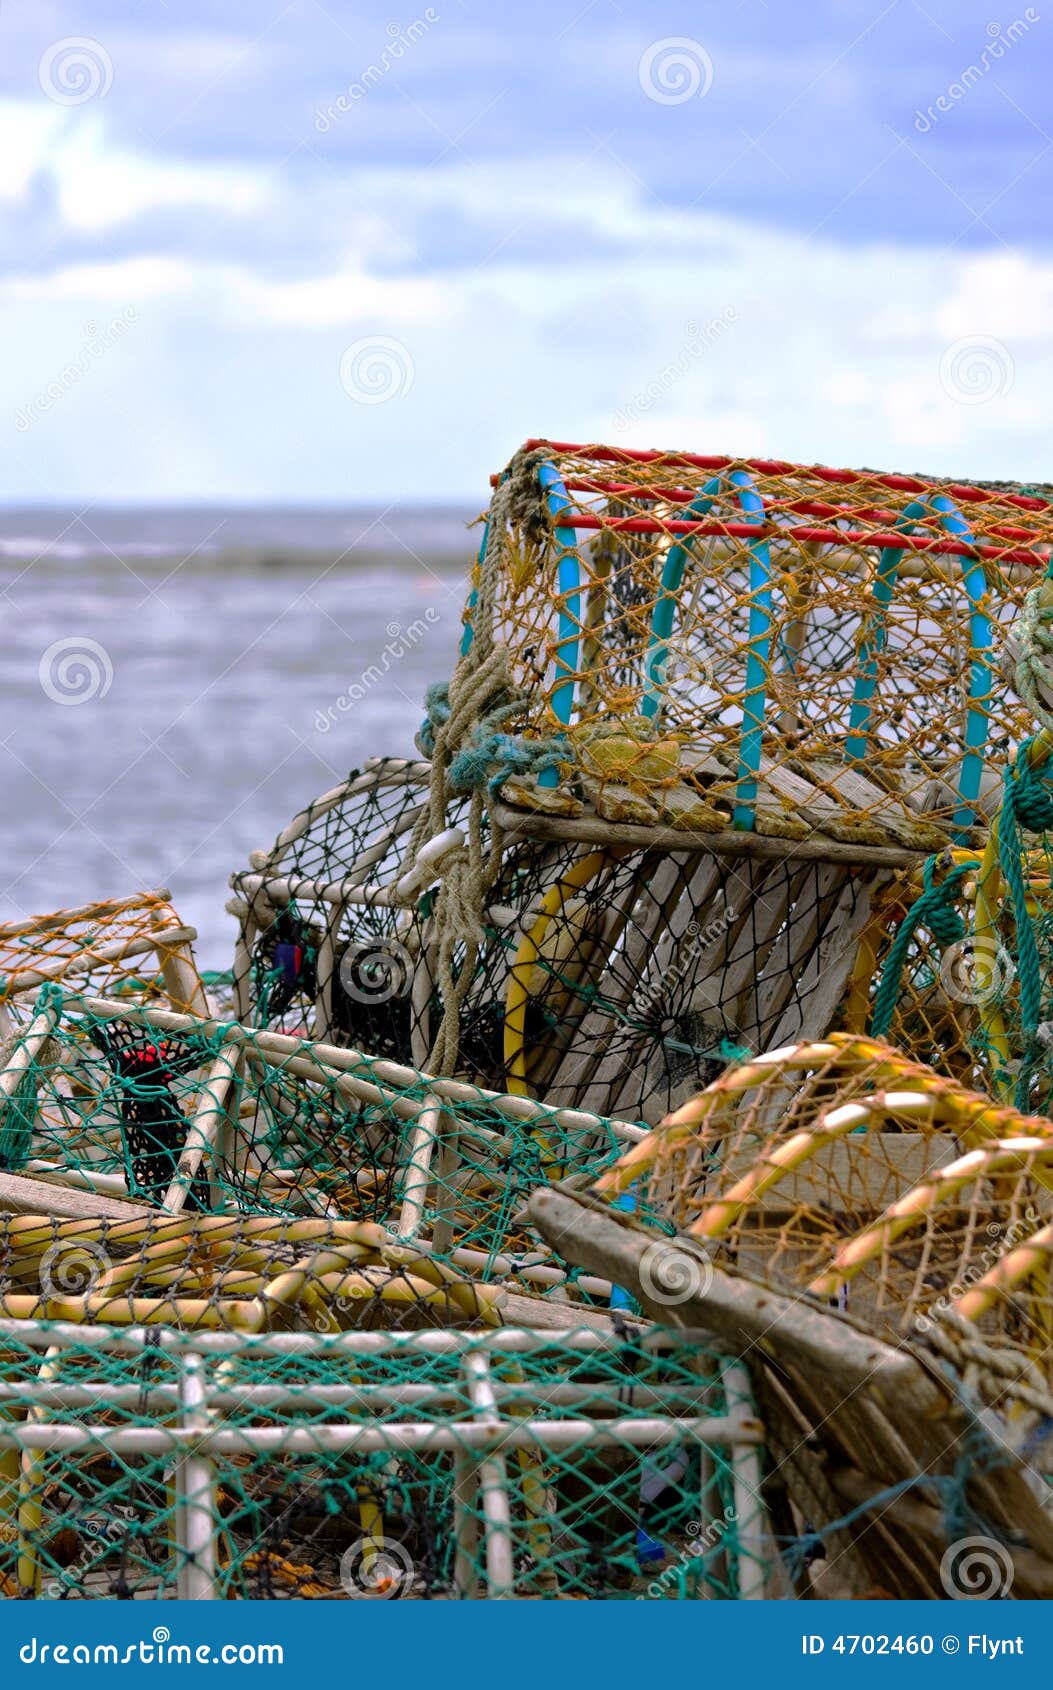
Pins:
x,y
827,1357
915,1518
893,811
27,1194
590,830
744,1313
600,1047
814,930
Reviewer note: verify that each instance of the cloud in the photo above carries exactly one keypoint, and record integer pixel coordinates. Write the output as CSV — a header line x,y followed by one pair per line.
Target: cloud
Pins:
x,y
549,246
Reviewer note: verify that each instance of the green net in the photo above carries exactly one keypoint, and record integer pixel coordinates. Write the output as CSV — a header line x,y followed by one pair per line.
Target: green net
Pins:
x,y
435,1464
156,1114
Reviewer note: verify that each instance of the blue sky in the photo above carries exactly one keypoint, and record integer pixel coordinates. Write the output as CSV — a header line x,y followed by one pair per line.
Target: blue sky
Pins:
x,y
255,251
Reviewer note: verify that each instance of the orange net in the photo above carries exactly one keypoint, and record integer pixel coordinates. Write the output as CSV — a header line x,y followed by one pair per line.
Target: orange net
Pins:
x,y
133,946
703,641
845,1171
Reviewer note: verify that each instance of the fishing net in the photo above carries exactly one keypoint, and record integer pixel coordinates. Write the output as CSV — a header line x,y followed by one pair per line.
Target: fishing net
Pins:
x,y
324,948
439,1464
700,642
616,981
197,1118
848,1171
135,947
635,977
914,977
958,954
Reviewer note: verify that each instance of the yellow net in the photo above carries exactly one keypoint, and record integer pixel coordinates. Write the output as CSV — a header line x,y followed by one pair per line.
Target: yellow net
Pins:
x,y
793,649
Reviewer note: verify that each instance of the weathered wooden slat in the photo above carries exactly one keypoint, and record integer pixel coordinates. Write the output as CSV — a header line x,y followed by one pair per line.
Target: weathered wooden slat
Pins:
x,y
27,1194
590,830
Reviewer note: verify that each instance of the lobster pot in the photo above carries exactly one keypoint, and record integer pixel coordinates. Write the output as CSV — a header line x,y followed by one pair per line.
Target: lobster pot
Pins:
x,y
439,1465
775,647
611,980
135,947
632,978
328,945
850,1172
143,1118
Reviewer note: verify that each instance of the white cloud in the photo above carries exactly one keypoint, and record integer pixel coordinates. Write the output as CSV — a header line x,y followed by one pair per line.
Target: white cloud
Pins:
x,y
230,383
100,186
27,128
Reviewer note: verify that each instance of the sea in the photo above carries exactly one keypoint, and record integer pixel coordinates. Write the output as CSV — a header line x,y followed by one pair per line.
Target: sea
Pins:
x,y
177,683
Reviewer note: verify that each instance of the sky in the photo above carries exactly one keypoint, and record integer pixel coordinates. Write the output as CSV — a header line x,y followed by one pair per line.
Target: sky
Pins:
x,y
264,252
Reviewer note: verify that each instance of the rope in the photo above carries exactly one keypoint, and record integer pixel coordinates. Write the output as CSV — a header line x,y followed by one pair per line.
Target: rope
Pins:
x,y
470,753
490,756
1033,636
935,909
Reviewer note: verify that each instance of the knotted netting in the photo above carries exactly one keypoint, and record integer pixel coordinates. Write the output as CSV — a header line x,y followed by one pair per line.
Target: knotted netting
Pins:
x,y
440,1464
161,1115
852,1173
326,946
957,965
613,980
706,641
134,947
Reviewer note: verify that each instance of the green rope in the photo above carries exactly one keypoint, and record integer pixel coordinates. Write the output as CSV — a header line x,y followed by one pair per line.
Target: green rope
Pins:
x,y
490,755
935,909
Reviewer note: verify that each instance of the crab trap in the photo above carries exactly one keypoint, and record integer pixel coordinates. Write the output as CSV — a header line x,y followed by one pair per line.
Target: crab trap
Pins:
x,y
128,1116
850,1172
440,1465
711,643
703,711
133,947
618,981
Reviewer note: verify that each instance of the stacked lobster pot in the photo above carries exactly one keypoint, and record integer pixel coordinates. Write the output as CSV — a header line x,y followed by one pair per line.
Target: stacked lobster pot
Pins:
x,y
542,1216
710,720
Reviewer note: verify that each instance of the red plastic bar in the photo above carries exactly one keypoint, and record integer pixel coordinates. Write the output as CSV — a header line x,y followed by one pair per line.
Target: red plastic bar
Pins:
x,y
795,507
772,466
941,543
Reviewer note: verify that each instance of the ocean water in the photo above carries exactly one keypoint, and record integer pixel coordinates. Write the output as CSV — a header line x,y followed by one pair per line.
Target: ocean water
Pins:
x,y
177,683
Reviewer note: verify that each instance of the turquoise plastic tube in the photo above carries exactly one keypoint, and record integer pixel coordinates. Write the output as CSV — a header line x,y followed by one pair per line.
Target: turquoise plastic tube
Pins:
x,y
980,640
759,643
568,577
